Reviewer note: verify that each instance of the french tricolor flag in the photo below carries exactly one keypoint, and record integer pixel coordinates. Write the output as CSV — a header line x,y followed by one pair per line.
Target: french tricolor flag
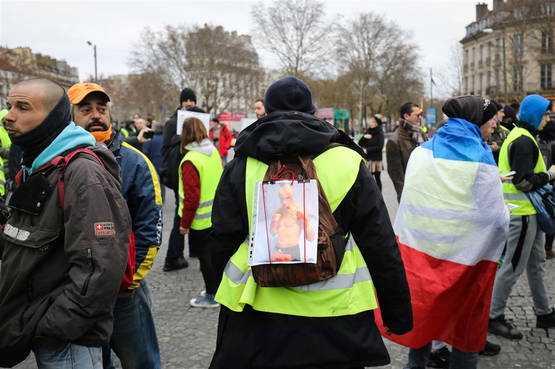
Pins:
x,y
451,227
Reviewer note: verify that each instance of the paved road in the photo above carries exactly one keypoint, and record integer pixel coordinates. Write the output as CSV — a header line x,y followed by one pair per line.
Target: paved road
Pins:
x,y
187,336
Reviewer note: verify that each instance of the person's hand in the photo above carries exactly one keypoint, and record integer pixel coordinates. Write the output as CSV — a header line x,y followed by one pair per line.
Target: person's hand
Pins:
x,y
141,136
493,146
552,168
183,231
367,136
276,217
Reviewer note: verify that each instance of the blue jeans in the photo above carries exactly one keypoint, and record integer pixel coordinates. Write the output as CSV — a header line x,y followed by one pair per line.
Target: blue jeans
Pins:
x,y
458,359
134,338
68,356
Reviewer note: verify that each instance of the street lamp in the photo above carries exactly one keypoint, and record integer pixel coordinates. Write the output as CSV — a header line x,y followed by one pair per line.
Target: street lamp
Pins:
x,y
95,69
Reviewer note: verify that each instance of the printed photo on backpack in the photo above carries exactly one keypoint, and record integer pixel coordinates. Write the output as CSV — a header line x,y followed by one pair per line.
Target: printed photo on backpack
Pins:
x,y
285,223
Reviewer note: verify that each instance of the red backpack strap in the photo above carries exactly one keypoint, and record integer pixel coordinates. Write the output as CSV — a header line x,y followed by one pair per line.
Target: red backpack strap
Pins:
x,y
61,162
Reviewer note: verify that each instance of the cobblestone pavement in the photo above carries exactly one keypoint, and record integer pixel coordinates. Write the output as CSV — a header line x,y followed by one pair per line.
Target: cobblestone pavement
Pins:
x,y
187,335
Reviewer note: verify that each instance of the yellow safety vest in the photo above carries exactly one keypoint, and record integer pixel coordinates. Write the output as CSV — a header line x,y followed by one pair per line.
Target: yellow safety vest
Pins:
x,y
6,143
210,170
510,192
351,291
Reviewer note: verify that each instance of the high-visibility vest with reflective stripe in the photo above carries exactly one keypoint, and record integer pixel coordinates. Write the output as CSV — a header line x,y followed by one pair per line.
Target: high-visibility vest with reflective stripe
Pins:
x,y
510,192
6,143
210,170
351,291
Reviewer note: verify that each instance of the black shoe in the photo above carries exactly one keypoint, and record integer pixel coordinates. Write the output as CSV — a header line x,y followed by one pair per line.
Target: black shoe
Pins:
x,y
180,263
500,327
439,358
549,254
490,349
546,321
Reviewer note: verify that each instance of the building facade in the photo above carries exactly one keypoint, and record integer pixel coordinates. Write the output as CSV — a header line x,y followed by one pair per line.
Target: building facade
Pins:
x,y
509,51
21,63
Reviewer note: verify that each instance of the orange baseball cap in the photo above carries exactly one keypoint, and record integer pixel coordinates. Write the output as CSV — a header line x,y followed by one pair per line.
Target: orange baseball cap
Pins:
x,y
79,91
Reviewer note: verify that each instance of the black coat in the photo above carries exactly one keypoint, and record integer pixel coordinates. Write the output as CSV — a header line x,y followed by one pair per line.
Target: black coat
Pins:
x,y
362,213
374,145
170,151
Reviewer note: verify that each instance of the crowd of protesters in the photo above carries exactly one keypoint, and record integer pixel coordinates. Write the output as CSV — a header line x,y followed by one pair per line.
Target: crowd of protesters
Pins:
x,y
82,225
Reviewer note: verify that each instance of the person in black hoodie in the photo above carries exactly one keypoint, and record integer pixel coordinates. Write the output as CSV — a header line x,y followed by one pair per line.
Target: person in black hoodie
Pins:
x,y
175,258
372,143
308,326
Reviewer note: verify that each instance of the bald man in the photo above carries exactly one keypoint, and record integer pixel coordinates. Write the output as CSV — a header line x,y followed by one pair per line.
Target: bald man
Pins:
x,y
64,246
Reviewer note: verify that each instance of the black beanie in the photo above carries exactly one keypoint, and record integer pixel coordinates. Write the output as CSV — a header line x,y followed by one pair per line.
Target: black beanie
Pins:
x,y
474,109
288,94
187,94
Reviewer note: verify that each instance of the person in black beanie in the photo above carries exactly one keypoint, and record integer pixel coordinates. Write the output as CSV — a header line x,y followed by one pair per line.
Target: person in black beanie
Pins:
x,y
328,324
175,258
64,245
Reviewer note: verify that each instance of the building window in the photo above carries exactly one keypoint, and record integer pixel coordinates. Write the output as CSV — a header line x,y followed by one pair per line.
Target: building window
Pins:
x,y
547,42
481,53
518,44
465,85
517,78
481,85
550,9
497,78
546,77
466,61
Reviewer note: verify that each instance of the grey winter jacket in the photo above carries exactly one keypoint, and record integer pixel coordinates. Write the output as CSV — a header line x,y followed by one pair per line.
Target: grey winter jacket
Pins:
x,y
61,269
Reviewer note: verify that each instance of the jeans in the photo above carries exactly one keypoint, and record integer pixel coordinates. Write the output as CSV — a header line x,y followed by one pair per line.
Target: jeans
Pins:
x,y
134,338
68,356
525,250
176,243
458,359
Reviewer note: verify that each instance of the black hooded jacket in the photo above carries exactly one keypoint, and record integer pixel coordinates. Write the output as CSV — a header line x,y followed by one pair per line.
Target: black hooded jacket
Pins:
x,y
362,213
374,145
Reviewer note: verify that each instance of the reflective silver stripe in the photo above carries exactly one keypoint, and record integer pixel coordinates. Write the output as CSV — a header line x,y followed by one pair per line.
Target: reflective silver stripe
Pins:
x,y
203,216
206,203
340,281
235,274
515,196
350,244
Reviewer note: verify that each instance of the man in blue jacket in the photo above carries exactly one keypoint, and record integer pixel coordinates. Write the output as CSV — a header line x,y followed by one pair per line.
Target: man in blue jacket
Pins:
x,y
134,339
525,244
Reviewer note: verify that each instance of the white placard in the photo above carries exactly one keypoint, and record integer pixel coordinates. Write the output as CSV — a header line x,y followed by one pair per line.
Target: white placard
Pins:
x,y
184,114
284,223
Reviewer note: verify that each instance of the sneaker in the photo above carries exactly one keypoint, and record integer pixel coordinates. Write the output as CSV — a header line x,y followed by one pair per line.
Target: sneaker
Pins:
x,y
180,263
549,254
202,293
204,302
546,321
501,327
439,358
490,349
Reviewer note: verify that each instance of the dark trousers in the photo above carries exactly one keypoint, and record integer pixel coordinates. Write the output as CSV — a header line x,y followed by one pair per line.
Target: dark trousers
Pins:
x,y
176,243
549,241
199,244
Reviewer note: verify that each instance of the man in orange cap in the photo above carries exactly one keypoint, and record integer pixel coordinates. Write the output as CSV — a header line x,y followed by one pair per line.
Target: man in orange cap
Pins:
x,y
134,338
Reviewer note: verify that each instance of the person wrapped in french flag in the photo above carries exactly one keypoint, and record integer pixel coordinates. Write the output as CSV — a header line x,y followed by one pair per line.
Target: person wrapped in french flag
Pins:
x,y
451,226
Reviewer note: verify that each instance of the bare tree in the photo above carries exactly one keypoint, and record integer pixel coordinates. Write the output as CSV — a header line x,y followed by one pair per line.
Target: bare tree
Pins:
x,y
295,31
221,66
378,56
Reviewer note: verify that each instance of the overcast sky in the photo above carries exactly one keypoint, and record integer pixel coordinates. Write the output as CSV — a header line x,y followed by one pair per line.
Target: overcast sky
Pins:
x,y
61,28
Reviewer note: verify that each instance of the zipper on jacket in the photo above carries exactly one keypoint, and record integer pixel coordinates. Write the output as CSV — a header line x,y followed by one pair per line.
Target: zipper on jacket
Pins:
x,y
86,284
